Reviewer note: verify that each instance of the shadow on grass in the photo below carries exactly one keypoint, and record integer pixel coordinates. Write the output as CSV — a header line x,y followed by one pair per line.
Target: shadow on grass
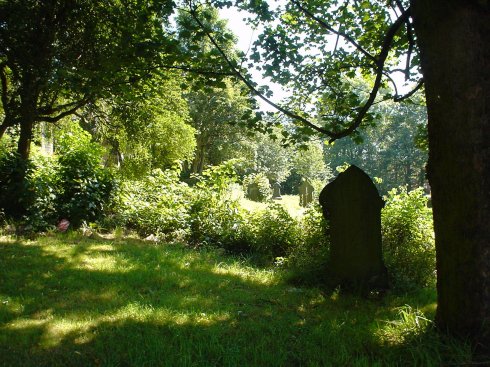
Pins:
x,y
117,303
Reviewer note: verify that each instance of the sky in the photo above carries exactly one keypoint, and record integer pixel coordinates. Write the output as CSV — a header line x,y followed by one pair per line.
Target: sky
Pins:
x,y
246,36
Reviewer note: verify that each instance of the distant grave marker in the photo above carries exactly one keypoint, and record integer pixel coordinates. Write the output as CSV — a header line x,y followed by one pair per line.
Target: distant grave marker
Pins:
x,y
305,193
276,191
253,192
352,205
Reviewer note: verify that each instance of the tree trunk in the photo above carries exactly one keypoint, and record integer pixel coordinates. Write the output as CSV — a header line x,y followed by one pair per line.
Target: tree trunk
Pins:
x,y
25,138
3,128
454,41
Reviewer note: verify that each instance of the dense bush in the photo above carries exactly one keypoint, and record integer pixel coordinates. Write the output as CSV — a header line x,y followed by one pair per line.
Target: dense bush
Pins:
x,y
216,217
408,239
157,204
15,194
72,184
271,232
85,185
44,184
262,182
307,259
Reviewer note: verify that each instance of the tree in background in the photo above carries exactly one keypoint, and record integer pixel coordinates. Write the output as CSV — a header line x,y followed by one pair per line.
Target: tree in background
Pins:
x,y
390,150
217,114
151,130
57,56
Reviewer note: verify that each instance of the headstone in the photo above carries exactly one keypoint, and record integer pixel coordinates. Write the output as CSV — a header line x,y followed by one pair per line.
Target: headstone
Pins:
x,y
305,193
352,205
276,191
253,192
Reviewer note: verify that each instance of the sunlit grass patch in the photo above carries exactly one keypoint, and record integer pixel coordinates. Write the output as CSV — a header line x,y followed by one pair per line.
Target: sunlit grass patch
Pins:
x,y
75,301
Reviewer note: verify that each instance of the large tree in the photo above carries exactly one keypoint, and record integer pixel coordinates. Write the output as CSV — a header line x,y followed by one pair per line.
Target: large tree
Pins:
x,y
56,55
313,45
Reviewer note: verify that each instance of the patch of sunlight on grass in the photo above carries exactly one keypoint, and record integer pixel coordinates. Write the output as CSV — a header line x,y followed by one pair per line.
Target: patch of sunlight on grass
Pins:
x,y
58,329
289,202
10,305
247,273
25,324
410,322
68,300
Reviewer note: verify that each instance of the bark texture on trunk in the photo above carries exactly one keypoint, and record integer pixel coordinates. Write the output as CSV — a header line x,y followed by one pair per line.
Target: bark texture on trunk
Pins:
x,y
454,41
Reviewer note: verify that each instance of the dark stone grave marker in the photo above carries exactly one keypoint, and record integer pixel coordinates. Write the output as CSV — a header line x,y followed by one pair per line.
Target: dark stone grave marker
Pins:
x,y
352,205
276,191
253,192
305,193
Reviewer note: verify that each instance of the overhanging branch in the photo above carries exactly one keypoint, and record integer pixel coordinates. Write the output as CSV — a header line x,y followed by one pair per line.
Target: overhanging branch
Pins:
x,y
338,32
419,85
70,111
240,76
381,59
362,111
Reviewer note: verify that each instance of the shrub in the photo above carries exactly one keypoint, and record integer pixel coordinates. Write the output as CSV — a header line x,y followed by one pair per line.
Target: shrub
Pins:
x,y
85,185
157,204
271,232
44,181
215,216
408,239
262,182
73,184
307,259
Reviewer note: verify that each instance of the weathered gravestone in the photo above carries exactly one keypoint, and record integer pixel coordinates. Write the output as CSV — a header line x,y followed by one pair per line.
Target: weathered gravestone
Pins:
x,y
276,191
305,193
253,192
352,205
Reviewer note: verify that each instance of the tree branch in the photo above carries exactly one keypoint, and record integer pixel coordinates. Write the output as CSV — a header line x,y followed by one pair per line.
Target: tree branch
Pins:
x,y
328,27
379,62
239,75
68,112
377,82
419,85
410,38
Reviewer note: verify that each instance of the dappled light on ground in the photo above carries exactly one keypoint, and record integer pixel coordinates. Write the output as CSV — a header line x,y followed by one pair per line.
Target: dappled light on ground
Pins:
x,y
71,300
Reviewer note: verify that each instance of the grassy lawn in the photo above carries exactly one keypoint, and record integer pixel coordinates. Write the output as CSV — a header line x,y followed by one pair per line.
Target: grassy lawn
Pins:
x,y
74,301
289,202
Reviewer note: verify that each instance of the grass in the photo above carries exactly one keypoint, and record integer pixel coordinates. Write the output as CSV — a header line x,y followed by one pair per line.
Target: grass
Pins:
x,y
289,202
69,300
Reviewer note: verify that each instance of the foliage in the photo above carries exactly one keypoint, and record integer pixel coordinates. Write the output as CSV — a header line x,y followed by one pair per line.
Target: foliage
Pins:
x,y
389,150
215,216
408,239
45,182
310,164
75,53
272,232
85,185
308,258
157,204
147,132
263,185
218,114
15,196
272,158
72,185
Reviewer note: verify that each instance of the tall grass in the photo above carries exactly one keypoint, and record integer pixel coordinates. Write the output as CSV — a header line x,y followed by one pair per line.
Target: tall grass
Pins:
x,y
73,301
